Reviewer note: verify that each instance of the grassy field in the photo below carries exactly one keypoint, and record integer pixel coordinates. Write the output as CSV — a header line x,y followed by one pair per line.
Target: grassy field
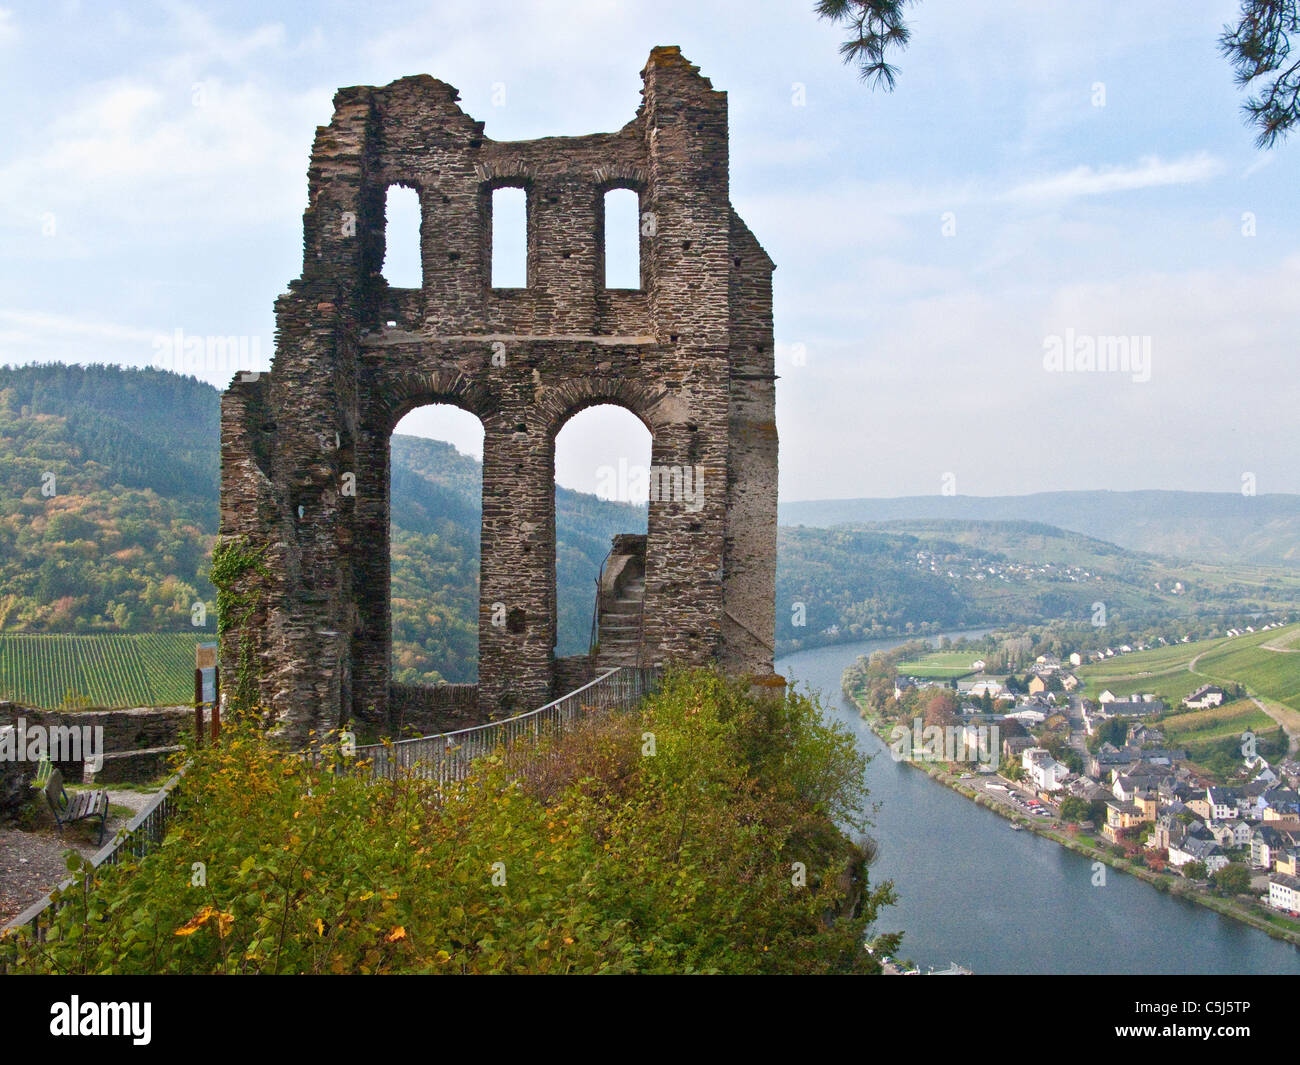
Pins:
x,y
1168,671
109,670
940,665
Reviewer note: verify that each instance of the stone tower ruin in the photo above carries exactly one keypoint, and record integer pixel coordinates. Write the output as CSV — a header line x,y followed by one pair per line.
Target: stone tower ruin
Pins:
x,y
305,448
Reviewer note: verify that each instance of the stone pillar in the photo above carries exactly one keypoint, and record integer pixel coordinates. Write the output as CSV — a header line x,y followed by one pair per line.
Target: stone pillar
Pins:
x,y
371,560
516,609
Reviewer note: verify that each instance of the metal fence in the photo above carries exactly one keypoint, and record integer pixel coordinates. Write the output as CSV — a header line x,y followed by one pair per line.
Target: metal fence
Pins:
x,y
446,758
141,835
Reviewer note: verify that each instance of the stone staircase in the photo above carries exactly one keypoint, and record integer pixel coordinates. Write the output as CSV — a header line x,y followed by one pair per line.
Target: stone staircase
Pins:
x,y
619,605
620,627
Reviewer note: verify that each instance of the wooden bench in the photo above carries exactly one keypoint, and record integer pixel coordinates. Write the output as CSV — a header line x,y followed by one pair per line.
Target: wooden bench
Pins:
x,y
79,806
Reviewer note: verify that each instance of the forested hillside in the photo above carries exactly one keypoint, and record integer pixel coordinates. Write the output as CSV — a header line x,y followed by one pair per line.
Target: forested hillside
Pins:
x,y
108,498
108,512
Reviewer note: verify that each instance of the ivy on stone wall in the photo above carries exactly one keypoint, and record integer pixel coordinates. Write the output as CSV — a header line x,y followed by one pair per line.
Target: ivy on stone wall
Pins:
x,y
233,559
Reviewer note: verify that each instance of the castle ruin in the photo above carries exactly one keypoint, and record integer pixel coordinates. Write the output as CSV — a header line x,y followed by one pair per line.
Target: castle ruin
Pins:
x,y
305,448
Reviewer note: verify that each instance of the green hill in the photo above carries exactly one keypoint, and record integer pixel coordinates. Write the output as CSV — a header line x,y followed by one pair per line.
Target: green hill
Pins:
x,y
1259,661
1223,527
108,498
921,576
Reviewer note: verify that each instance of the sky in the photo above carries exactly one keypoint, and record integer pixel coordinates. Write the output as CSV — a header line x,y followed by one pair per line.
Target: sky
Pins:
x,y
1048,177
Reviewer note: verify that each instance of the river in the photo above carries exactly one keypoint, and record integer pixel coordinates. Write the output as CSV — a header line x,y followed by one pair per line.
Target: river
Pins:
x,y
997,901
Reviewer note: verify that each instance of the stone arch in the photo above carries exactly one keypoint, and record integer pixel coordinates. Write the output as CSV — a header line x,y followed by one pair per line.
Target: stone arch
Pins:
x,y
620,176
652,404
638,454
399,394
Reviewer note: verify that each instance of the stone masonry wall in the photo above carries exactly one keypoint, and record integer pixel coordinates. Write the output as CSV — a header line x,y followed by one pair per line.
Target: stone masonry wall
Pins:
x,y
425,709
137,741
305,449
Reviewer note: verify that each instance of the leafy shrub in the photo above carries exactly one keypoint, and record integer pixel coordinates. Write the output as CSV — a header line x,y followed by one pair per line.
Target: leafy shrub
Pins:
x,y
600,858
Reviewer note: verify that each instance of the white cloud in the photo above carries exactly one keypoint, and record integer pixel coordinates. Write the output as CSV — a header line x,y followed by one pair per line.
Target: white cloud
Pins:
x,y
39,336
1150,172
149,153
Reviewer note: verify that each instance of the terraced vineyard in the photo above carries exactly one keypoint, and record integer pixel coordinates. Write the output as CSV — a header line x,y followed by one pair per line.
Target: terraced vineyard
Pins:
x,y
103,670
1270,673
1228,721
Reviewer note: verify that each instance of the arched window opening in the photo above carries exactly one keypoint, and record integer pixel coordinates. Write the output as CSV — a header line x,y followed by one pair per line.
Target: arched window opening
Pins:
x,y
509,238
622,239
602,475
402,263
436,514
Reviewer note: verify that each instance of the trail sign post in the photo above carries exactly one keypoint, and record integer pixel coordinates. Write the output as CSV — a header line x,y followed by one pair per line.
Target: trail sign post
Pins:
x,y
207,690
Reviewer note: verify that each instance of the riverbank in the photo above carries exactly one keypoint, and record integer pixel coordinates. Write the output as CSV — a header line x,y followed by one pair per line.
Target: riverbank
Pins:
x,y
1275,927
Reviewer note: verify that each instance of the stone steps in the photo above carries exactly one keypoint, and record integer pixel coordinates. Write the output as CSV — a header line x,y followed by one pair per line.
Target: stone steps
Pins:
x,y
619,627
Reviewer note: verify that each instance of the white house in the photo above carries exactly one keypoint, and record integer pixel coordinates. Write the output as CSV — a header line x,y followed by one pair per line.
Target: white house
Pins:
x,y
1045,771
1222,803
1198,850
1204,697
993,688
1076,659
1230,834
1284,892
979,665
1267,844
1107,696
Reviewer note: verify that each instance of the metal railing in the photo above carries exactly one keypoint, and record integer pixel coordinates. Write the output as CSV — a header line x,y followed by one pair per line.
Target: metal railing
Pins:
x,y
595,610
446,758
140,835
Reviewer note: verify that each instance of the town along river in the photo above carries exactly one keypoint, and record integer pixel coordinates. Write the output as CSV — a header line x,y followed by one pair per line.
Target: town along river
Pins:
x,y
996,901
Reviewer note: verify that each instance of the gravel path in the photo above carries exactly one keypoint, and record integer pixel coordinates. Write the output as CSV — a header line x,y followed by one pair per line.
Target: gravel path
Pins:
x,y
32,863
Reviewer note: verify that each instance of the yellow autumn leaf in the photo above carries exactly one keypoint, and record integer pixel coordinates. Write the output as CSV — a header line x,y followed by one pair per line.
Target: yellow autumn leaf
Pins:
x,y
397,933
320,927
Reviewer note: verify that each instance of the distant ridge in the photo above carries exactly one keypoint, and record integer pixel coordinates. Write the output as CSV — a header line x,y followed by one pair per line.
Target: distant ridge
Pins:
x,y
1207,526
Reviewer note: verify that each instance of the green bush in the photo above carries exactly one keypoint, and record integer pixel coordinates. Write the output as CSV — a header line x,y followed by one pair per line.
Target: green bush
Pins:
x,y
605,858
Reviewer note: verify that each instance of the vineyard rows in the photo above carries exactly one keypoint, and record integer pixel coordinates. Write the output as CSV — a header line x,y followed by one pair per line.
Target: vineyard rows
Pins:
x,y
110,670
